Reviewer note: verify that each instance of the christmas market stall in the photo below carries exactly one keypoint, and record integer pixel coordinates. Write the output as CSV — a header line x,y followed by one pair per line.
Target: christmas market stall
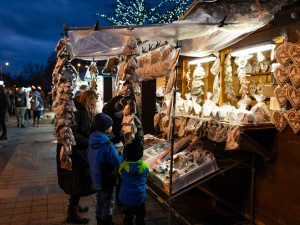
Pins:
x,y
213,87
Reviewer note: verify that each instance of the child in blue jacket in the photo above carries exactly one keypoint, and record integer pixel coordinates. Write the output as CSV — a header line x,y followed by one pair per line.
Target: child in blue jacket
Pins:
x,y
104,161
133,189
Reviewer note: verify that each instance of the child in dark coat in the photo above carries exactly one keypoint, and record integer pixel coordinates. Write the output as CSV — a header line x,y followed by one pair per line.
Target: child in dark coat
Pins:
x,y
132,194
103,160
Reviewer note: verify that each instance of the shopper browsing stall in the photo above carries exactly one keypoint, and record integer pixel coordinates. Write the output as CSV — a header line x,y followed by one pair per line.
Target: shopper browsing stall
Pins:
x,y
104,161
4,105
134,173
78,182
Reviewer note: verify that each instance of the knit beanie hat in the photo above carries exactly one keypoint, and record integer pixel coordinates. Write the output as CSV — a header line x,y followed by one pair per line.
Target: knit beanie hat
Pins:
x,y
102,122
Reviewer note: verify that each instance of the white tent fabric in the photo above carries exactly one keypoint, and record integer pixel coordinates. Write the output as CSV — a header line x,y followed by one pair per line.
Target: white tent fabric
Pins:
x,y
199,32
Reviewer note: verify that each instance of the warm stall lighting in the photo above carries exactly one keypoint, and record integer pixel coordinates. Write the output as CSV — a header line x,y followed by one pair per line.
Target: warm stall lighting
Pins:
x,y
202,60
247,51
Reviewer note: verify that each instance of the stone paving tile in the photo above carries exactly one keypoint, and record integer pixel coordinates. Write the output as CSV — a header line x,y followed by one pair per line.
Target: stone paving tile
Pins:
x,y
29,193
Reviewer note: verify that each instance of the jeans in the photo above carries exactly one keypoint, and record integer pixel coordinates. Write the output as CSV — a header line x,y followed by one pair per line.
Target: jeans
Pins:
x,y
104,205
20,113
27,114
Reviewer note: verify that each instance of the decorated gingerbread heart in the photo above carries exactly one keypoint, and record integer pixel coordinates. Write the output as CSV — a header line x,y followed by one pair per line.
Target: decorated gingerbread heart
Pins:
x,y
293,118
294,75
295,54
279,120
281,95
282,54
281,75
294,96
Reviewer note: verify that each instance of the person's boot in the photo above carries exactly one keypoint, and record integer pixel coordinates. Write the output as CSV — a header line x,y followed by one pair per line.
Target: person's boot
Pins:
x,y
83,209
128,220
3,137
38,122
33,123
99,222
75,217
106,222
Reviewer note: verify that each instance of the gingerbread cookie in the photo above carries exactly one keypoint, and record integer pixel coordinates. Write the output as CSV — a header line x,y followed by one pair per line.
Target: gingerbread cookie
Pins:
x,y
294,75
282,54
293,118
293,95
281,95
295,54
281,75
280,122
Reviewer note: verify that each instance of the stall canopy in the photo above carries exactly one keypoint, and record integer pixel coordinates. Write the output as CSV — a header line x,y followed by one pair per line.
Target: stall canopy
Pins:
x,y
206,30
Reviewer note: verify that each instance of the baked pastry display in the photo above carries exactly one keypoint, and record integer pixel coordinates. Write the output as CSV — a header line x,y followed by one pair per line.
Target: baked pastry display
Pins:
x,y
279,119
281,75
293,95
294,75
294,52
293,118
281,95
282,54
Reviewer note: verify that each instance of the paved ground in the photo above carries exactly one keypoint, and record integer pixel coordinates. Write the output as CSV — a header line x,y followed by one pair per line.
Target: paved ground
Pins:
x,y
29,193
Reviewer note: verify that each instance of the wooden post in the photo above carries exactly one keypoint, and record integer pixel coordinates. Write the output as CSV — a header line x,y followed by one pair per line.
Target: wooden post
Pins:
x,y
184,81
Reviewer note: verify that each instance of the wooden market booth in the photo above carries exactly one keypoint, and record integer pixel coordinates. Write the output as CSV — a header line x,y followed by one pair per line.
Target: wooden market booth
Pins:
x,y
275,193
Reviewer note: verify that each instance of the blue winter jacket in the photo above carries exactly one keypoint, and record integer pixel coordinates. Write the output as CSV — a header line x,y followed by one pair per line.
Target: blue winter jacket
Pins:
x,y
103,160
133,186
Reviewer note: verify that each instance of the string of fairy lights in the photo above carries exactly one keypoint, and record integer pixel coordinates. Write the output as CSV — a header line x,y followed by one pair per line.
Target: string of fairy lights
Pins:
x,y
139,12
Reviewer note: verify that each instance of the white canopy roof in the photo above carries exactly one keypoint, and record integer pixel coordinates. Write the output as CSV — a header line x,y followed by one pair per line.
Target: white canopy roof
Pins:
x,y
199,32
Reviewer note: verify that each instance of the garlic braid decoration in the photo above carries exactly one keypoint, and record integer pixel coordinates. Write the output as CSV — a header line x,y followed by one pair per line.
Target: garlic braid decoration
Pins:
x,y
63,78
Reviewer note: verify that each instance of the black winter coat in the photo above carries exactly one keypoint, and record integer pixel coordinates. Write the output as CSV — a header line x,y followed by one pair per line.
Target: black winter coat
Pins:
x,y
108,109
20,100
77,181
4,105
134,150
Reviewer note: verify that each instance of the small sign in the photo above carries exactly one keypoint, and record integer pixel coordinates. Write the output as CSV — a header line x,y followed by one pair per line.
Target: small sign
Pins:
x,y
1,82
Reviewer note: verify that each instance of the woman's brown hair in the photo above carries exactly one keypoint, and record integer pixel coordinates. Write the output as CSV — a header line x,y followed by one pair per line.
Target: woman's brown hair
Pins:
x,y
85,98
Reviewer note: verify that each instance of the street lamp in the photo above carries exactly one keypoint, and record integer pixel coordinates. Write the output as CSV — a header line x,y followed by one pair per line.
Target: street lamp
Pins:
x,y
1,68
78,66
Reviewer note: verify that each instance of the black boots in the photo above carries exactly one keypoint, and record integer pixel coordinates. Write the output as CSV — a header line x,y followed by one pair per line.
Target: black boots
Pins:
x,y
3,137
83,209
75,217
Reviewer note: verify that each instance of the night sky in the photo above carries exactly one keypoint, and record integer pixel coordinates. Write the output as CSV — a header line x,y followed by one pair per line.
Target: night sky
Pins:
x,y
30,29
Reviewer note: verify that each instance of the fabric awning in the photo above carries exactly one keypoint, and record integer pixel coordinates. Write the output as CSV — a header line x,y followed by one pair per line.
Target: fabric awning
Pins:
x,y
199,33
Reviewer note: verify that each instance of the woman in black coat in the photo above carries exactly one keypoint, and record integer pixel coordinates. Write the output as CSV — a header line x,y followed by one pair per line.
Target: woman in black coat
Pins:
x,y
4,105
77,182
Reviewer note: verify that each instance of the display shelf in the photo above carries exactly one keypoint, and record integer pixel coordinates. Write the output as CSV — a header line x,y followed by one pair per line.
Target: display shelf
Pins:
x,y
259,74
234,163
156,190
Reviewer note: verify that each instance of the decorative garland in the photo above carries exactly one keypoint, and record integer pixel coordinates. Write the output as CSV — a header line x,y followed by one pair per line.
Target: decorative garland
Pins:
x,y
64,78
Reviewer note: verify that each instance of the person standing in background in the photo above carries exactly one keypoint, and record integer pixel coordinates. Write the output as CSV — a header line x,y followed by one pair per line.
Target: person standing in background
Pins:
x,y
82,88
20,105
78,181
11,109
36,106
28,106
4,105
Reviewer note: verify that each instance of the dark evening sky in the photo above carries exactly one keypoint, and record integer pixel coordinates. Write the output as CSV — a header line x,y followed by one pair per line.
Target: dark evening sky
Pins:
x,y
30,29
